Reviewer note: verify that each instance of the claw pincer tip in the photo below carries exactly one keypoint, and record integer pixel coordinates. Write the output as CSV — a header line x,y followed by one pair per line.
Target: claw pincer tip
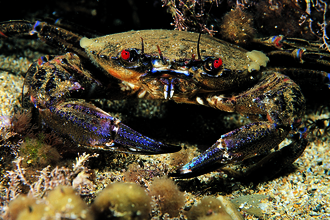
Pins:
x,y
136,142
199,165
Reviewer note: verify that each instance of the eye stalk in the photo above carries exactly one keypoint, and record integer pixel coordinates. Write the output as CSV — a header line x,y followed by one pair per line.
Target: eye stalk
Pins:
x,y
212,66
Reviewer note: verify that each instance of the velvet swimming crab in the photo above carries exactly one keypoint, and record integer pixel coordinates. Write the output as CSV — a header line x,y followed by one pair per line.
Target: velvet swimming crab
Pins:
x,y
166,65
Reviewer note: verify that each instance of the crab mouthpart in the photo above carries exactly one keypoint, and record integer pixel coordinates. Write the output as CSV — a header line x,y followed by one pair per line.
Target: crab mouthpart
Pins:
x,y
168,77
168,87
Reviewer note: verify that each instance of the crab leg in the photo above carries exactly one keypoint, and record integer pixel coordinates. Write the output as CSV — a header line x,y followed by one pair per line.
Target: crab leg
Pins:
x,y
50,34
299,49
15,28
283,113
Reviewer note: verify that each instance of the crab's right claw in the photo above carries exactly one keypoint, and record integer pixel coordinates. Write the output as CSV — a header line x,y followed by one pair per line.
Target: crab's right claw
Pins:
x,y
90,126
134,142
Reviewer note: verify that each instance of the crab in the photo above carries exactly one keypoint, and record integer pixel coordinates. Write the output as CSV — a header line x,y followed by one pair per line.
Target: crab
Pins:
x,y
167,65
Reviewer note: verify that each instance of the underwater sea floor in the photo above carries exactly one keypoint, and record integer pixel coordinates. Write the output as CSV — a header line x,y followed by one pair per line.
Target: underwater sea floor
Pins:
x,y
302,192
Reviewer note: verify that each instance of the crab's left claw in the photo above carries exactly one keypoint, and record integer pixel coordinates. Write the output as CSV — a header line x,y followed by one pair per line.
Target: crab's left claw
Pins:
x,y
206,162
237,145
245,142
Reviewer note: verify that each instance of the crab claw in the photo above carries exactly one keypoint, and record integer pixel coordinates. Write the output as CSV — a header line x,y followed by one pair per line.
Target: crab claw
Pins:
x,y
90,126
246,142
206,162
237,145
134,142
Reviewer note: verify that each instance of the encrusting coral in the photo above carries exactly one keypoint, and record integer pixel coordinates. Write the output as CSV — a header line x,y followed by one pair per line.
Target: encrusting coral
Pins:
x,y
122,201
170,197
20,203
61,203
125,201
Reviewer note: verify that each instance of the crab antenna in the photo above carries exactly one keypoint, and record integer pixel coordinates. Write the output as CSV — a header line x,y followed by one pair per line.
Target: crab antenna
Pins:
x,y
161,55
199,39
142,46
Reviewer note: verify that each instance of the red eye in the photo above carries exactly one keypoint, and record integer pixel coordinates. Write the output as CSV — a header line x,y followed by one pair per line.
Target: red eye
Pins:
x,y
217,63
125,54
